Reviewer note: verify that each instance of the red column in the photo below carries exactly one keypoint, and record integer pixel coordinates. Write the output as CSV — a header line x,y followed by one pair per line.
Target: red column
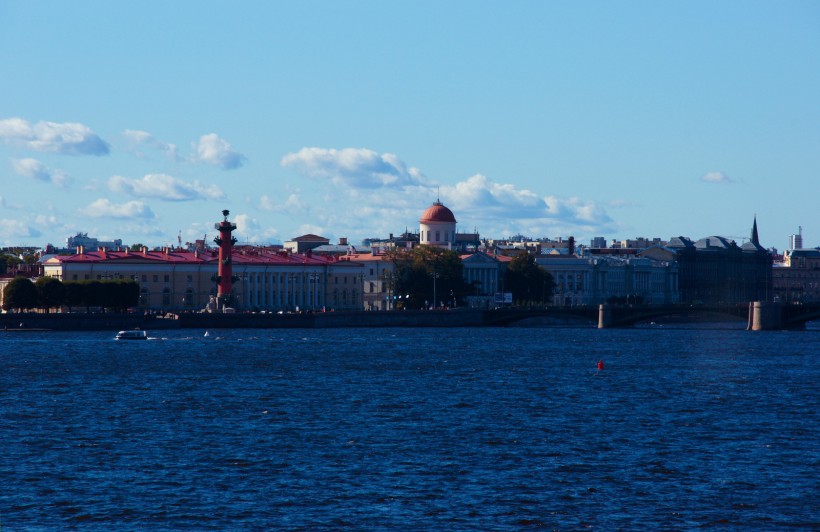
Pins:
x,y
225,242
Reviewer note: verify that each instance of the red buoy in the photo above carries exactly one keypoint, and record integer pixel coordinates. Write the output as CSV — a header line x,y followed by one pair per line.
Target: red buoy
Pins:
x,y
600,365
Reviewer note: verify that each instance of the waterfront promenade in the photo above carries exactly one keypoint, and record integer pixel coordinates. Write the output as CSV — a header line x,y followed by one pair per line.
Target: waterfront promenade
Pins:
x,y
757,316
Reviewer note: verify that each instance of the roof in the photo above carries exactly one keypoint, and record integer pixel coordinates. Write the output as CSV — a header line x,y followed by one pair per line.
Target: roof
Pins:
x,y
310,238
437,212
172,256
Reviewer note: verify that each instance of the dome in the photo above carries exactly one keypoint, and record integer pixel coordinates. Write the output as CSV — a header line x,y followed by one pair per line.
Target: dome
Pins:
x,y
437,212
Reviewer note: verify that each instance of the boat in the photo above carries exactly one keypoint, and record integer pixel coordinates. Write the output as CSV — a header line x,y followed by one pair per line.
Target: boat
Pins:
x,y
136,334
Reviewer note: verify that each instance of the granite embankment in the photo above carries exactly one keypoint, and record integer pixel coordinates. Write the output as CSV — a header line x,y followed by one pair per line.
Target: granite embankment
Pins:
x,y
113,321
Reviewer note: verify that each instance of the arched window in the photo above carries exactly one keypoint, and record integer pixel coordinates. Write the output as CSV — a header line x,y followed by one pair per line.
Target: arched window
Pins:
x,y
166,297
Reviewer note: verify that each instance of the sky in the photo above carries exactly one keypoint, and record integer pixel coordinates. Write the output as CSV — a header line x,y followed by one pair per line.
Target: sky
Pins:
x,y
142,121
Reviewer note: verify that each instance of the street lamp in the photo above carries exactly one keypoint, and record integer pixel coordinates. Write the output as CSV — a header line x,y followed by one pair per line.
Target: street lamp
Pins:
x,y
434,275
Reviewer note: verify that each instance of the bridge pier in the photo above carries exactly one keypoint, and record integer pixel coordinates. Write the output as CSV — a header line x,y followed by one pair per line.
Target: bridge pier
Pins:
x,y
605,318
764,316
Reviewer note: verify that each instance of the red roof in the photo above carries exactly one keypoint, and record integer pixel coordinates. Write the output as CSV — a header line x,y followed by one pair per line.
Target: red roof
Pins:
x,y
438,213
188,257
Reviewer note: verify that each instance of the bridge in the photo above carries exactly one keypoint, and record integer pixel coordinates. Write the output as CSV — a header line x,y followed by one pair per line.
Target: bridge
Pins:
x,y
757,315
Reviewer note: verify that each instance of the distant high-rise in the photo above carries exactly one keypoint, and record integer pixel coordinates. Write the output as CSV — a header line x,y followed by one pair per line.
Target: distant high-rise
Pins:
x,y
796,241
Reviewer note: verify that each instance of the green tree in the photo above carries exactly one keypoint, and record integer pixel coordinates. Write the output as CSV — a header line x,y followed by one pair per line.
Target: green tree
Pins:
x,y
429,276
120,294
50,292
20,294
93,294
527,280
74,294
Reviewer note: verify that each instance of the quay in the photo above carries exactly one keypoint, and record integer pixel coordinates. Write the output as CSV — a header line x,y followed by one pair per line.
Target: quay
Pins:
x,y
759,316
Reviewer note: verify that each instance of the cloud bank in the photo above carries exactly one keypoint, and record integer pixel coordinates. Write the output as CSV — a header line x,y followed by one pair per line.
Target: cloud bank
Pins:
x,y
390,195
353,167
103,208
68,138
164,187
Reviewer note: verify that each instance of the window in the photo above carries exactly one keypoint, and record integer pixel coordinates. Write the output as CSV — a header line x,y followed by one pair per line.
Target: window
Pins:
x,y
189,278
156,278
166,297
167,278
144,278
74,277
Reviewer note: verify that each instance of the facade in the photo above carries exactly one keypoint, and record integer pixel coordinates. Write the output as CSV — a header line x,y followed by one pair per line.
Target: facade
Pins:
x,y
485,274
797,278
594,280
715,270
180,280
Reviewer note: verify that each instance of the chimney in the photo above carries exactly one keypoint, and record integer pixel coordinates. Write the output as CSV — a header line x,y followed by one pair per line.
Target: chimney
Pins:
x,y
571,245
343,241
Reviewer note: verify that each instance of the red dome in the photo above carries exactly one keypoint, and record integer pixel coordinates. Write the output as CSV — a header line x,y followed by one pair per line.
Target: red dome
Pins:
x,y
437,213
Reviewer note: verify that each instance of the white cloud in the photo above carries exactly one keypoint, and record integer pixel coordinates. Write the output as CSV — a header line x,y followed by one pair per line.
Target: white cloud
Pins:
x,y
164,187
34,169
353,167
216,151
68,138
137,139
11,231
503,208
248,229
293,204
103,208
716,177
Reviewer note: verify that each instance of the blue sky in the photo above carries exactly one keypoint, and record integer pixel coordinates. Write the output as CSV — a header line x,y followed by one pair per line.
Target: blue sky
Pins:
x,y
143,120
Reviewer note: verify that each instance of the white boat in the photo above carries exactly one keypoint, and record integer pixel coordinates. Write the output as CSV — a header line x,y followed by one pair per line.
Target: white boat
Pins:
x,y
132,335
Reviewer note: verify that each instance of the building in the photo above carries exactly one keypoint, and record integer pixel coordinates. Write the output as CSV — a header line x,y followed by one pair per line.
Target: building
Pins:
x,y
484,273
82,239
715,270
796,241
437,226
597,279
303,243
797,278
178,280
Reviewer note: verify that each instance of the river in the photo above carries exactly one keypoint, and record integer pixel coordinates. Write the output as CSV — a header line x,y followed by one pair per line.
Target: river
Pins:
x,y
411,429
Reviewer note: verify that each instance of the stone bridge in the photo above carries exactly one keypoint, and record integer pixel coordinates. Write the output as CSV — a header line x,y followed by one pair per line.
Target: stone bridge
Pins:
x,y
757,315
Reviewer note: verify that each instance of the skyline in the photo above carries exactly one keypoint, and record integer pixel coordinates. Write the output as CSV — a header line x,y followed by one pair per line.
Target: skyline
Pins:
x,y
548,119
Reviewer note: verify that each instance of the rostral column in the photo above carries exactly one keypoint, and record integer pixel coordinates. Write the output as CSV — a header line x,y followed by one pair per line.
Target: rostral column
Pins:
x,y
224,274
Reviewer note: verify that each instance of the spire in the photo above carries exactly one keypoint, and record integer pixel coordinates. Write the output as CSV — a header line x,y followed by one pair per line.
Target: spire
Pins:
x,y
755,240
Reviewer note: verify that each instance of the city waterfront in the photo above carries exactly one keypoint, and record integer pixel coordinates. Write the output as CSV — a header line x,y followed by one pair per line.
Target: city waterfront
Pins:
x,y
411,428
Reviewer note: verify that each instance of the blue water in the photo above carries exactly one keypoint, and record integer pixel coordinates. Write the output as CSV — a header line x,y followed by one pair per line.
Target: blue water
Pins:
x,y
411,429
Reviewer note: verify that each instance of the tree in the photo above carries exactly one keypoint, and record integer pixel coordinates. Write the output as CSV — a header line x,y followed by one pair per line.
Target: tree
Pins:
x,y
429,276
93,294
19,294
74,294
50,292
527,280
